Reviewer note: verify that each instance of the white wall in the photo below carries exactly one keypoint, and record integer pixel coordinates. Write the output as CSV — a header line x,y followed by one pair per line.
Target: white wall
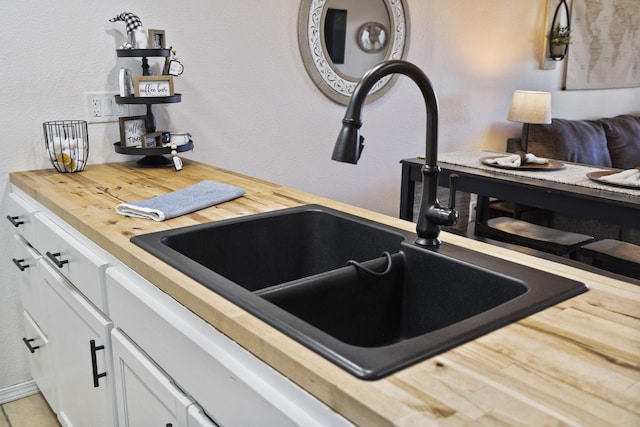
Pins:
x,y
250,105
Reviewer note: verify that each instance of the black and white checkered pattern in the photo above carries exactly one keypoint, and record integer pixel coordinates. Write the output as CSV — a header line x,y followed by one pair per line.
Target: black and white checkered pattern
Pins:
x,y
130,19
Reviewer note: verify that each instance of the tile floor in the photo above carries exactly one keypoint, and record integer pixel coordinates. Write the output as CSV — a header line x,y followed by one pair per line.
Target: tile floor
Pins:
x,y
32,411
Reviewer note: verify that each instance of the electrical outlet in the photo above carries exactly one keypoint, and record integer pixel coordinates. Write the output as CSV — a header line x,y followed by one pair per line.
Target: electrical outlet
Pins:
x,y
96,107
101,107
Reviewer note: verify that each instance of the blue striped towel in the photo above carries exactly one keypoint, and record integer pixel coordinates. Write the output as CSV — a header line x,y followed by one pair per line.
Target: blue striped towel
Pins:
x,y
181,202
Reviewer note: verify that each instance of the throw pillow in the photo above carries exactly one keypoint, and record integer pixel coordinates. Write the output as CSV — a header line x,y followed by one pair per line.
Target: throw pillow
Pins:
x,y
580,141
623,140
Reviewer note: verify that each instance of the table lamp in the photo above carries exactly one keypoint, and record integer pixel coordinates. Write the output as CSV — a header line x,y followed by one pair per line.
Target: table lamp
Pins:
x,y
530,107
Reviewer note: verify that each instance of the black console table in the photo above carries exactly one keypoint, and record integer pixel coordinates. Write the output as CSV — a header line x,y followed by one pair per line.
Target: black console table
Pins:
x,y
603,203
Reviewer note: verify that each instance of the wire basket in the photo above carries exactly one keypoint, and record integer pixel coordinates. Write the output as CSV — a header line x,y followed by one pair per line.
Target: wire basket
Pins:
x,y
67,143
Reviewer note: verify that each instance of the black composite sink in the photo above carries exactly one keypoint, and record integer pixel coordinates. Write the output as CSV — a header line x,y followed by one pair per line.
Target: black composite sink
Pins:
x,y
264,250
411,299
357,292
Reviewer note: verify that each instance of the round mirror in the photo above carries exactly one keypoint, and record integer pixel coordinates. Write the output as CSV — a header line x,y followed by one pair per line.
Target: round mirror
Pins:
x,y
340,40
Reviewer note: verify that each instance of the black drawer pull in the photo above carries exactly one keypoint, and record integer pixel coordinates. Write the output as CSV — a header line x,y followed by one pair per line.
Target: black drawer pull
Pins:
x,y
59,262
20,265
94,363
27,342
15,220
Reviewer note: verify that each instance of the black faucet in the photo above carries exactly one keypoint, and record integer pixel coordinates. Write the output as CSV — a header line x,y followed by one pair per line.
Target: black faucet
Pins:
x,y
350,144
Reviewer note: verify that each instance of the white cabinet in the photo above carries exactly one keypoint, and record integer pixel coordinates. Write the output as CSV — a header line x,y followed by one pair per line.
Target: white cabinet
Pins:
x,y
25,259
145,394
109,348
80,264
197,418
40,366
80,350
67,341
232,386
21,213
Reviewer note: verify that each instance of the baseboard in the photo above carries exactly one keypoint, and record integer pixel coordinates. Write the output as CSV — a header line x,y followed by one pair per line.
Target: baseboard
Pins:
x,y
18,391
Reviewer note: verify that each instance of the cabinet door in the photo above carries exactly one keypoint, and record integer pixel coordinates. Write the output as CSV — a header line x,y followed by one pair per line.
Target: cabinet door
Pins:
x,y
39,355
144,394
80,347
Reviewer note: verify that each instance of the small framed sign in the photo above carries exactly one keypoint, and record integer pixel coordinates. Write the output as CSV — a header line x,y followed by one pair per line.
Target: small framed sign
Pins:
x,y
175,68
132,130
153,86
152,140
156,39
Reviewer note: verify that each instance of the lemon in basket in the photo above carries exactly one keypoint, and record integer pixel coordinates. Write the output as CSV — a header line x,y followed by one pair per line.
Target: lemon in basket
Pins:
x,y
63,158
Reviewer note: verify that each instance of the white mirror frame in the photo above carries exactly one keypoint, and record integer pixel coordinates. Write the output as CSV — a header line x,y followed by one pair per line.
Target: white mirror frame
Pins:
x,y
331,81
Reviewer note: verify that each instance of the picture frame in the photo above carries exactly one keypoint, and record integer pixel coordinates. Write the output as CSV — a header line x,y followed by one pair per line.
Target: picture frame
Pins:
x,y
152,140
153,86
157,39
132,130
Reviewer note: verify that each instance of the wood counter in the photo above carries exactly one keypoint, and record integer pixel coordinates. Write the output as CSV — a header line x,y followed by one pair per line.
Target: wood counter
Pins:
x,y
577,363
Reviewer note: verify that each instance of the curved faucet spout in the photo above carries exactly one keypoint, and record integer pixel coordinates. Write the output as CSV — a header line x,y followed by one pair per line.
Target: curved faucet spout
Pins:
x,y
350,144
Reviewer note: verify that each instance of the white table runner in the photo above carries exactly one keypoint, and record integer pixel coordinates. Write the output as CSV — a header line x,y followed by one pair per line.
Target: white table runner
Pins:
x,y
571,174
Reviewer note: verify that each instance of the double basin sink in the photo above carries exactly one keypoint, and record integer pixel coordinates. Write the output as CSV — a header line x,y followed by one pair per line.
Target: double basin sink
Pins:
x,y
357,292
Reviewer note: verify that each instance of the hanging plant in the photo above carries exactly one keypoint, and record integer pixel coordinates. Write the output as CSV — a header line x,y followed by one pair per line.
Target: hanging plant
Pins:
x,y
559,41
561,35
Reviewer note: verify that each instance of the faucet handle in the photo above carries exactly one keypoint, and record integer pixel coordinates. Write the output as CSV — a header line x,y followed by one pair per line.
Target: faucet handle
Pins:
x,y
453,184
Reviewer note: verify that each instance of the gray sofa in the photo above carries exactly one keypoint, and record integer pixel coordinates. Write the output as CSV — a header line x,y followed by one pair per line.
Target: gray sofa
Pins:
x,y
611,142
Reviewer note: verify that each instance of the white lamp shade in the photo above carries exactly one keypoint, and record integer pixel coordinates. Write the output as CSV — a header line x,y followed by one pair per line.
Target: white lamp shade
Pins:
x,y
530,107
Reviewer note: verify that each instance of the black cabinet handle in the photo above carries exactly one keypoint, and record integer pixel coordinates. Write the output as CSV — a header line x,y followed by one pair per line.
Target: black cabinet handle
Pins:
x,y
94,363
27,342
15,220
20,265
55,260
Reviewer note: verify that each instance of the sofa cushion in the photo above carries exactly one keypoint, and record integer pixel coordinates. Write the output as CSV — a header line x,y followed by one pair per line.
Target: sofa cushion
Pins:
x,y
580,141
623,140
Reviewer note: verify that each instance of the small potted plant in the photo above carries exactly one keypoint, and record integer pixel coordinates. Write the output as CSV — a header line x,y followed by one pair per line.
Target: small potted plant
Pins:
x,y
559,40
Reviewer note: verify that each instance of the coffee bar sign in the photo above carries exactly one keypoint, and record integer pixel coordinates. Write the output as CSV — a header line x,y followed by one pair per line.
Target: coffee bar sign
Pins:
x,y
153,86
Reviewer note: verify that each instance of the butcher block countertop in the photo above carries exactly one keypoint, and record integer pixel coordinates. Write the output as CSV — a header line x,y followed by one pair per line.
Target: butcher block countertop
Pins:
x,y
576,363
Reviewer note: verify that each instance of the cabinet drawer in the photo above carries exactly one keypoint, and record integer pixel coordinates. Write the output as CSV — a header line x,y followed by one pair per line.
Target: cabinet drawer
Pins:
x,y
20,215
39,355
79,264
25,259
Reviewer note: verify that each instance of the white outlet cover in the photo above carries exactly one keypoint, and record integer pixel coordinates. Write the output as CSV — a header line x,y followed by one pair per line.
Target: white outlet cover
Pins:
x,y
100,107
